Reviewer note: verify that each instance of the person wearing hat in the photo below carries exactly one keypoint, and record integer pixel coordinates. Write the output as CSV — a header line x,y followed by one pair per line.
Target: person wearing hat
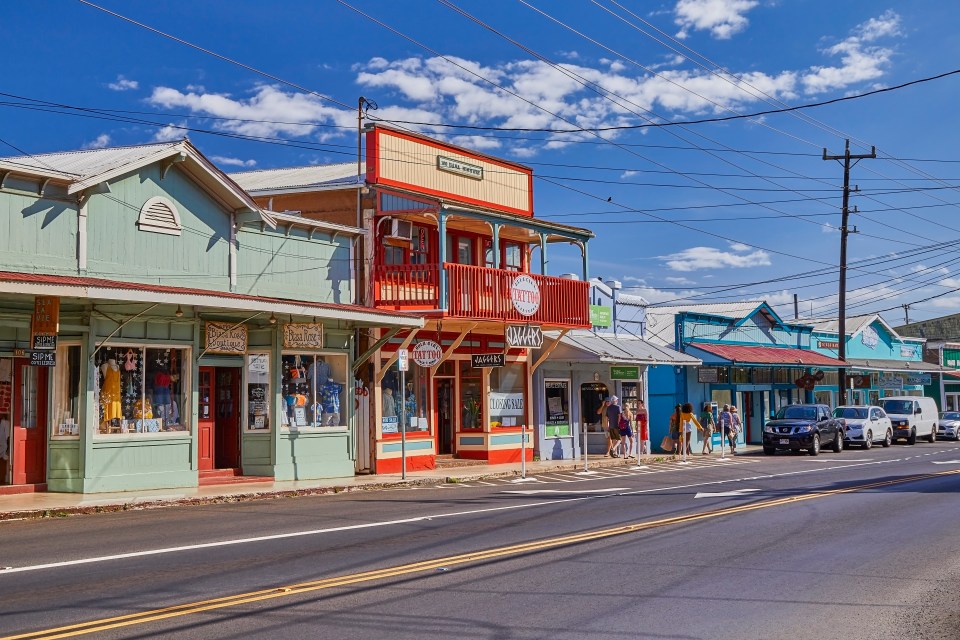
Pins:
x,y
610,409
735,425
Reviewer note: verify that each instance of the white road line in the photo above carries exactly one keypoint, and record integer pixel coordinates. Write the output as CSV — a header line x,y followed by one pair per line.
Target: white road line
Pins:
x,y
530,492
726,494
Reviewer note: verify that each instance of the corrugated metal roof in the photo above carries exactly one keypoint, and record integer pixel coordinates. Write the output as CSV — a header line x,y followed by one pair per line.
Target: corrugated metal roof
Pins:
x,y
660,319
852,324
742,354
892,365
344,173
629,350
88,162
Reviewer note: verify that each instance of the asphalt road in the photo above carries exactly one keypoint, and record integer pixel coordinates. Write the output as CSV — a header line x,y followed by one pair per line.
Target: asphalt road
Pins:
x,y
851,545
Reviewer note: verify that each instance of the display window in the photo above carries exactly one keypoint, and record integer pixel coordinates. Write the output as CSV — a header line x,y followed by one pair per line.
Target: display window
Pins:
x,y
258,392
557,395
66,393
313,389
141,390
6,408
506,402
471,400
405,408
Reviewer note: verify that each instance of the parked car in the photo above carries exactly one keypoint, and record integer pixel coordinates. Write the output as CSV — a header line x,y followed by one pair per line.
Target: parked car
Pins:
x,y
948,426
912,416
799,427
865,425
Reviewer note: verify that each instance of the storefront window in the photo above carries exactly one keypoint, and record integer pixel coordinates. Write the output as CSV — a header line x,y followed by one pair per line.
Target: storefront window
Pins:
x,y
313,387
141,390
471,401
66,413
592,396
258,391
762,375
408,405
557,394
740,375
506,404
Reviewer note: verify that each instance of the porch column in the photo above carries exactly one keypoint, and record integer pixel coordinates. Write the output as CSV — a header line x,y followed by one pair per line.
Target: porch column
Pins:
x,y
583,249
442,226
543,254
496,245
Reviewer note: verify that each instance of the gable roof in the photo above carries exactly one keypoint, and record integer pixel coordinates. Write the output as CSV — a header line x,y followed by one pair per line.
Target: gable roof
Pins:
x,y
660,318
853,325
289,179
743,354
82,169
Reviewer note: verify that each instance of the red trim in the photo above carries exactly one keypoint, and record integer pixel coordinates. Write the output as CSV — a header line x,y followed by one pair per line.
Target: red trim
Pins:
x,y
13,489
373,157
436,144
414,463
447,195
741,354
498,456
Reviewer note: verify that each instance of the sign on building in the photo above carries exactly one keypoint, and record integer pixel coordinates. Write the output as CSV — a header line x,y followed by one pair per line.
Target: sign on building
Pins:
x,y
45,323
226,337
890,382
482,360
43,358
460,167
708,375
427,353
624,373
524,336
525,295
303,335
403,359
600,316
506,404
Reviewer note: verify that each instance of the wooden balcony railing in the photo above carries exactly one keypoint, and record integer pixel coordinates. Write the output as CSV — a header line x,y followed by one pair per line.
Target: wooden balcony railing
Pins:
x,y
481,293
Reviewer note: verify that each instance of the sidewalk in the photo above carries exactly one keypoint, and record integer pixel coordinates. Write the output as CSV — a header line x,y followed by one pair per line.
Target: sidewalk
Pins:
x,y
46,504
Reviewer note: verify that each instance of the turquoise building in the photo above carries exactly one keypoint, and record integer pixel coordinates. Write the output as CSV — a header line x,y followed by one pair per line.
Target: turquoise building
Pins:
x,y
160,329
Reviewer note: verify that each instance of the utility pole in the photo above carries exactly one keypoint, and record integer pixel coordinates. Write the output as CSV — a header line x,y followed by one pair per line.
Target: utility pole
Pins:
x,y
906,313
844,230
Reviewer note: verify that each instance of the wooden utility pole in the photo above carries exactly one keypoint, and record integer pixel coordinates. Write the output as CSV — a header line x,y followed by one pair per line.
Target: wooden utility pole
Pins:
x,y
844,230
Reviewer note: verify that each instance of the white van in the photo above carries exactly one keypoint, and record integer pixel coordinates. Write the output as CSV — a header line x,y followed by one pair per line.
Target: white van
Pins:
x,y
912,416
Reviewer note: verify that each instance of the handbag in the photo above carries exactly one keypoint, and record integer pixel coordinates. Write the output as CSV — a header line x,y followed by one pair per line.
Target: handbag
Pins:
x,y
667,443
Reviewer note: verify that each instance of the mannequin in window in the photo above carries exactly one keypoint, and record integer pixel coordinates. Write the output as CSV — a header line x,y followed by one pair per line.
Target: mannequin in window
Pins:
x,y
161,394
389,403
330,394
110,391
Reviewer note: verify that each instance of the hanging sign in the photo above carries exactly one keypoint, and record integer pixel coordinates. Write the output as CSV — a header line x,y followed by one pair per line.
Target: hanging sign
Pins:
x,y
525,295
479,361
43,358
524,335
45,323
427,353
303,335
226,337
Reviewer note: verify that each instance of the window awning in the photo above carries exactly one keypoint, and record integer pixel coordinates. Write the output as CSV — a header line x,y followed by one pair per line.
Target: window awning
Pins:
x,y
786,356
899,366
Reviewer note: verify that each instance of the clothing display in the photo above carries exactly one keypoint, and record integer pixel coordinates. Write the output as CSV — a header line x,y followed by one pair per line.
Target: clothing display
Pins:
x,y
4,438
330,398
317,373
110,392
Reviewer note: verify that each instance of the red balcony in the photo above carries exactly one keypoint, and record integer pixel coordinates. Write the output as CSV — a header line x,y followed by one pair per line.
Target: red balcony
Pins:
x,y
480,293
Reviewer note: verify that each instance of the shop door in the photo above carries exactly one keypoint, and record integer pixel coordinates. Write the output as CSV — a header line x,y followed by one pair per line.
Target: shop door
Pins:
x,y
746,413
227,430
205,420
444,419
29,424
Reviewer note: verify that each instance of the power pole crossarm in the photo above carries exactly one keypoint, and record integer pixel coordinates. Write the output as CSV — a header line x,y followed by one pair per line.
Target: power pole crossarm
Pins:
x,y
847,157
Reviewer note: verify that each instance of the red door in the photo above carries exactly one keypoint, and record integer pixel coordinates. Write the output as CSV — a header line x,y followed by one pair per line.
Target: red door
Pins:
x,y
29,424
227,449
205,420
443,416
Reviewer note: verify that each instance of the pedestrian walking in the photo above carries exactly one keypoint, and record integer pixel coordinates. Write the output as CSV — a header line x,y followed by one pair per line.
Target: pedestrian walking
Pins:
x,y
626,433
643,428
674,430
726,423
707,427
610,409
689,423
735,426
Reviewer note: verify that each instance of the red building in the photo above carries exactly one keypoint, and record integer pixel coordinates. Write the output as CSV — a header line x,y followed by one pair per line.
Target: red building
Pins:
x,y
451,235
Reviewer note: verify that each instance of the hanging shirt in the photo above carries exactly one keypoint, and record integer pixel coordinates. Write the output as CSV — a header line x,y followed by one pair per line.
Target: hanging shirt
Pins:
x,y
330,394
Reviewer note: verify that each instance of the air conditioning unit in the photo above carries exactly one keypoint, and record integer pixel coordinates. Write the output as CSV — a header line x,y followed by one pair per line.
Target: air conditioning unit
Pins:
x,y
401,229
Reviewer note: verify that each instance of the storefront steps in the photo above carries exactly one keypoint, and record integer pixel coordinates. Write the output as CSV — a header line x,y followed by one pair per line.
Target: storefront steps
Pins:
x,y
449,461
227,476
13,489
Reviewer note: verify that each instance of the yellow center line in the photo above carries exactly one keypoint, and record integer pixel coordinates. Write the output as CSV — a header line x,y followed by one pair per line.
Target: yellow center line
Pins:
x,y
191,608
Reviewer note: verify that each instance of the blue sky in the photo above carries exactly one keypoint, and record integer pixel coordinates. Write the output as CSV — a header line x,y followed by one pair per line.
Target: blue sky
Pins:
x,y
692,213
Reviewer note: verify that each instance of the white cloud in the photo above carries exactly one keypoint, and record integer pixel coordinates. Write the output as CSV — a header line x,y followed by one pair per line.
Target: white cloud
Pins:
x,y
233,162
859,60
697,258
99,142
679,280
722,18
123,84
652,294
628,174
739,246
170,133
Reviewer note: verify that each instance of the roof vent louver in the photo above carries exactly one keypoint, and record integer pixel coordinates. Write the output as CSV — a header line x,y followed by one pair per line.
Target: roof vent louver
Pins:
x,y
159,215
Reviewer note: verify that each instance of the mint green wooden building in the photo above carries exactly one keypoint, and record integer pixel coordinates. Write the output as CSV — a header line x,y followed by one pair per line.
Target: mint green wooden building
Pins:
x,y
197,335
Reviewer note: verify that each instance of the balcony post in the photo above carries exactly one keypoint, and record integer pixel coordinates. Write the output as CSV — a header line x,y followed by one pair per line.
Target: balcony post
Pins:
x,y
583,250
442,227
543,254
496,245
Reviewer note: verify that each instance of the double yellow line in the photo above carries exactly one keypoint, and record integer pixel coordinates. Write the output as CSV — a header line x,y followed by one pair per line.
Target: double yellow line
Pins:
x,y
191,608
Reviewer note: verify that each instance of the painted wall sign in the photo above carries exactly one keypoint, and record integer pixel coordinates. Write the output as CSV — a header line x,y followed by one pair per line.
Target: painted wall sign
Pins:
x,y
479,361
708,375
870,338
45,323
427,353
890,382
506,404
302,335
908,351
600,316
460,167
524,335
624,373
828,344
525,295
225,337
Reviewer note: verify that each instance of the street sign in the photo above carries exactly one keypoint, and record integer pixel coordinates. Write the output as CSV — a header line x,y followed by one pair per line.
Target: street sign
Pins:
x,y
624,373
403,359
524,335
479,361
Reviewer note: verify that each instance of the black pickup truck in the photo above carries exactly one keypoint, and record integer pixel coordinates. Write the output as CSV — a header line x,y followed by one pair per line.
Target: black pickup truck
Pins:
x,y
799,427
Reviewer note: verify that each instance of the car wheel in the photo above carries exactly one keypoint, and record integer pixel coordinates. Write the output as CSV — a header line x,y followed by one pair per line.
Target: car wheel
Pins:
x,y
888,439
769,451
838,442
913,437
868,443
815,447
933,436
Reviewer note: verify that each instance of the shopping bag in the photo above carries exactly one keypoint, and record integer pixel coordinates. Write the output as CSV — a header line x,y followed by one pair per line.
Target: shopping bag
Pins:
x,y
667,443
